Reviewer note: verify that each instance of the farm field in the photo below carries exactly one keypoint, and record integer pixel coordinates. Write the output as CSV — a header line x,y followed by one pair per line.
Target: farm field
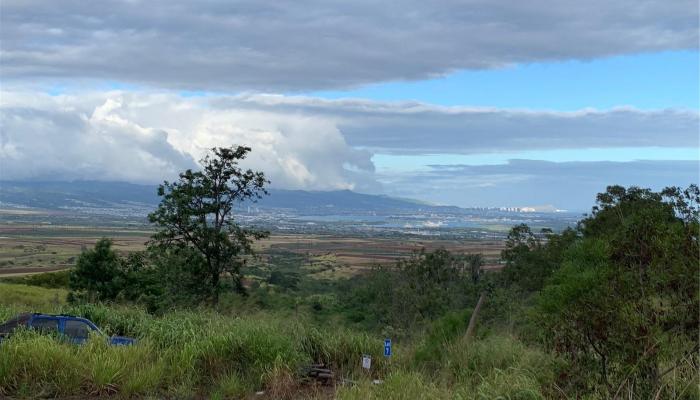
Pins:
x,y
27,249
42,248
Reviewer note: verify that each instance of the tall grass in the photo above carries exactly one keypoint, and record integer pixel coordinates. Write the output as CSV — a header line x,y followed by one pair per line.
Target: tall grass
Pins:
x,y
205,354
181,354
32,297
201,353
497,367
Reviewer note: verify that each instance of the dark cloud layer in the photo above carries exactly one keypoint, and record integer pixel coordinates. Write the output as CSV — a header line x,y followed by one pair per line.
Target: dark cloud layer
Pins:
x,y
417,128
310,44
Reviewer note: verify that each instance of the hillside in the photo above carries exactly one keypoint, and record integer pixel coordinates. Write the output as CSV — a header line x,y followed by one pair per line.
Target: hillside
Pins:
x,y
95,194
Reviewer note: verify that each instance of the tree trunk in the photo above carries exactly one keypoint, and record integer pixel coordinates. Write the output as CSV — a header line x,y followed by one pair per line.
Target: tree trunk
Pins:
x,y
472,320
215,289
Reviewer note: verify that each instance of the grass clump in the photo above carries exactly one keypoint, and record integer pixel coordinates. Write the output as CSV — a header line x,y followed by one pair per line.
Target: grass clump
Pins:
x,y
31,296
36,365
399,385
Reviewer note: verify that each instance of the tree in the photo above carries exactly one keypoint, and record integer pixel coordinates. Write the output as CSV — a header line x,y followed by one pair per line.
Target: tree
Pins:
x,y
625,301
416,290
97,272
476,261
531,258
195,217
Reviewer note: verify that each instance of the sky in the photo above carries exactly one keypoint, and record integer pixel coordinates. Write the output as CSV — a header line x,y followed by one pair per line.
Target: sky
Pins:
x,y
468,103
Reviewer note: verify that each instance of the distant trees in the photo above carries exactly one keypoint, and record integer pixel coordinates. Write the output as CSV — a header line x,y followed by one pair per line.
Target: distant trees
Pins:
x,y
196,222
475,262
418,289
618,296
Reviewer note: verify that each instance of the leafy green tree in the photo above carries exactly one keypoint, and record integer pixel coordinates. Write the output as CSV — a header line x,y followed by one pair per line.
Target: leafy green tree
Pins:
x,y
97,272
625,301
416,290
531,258
195,217
140,281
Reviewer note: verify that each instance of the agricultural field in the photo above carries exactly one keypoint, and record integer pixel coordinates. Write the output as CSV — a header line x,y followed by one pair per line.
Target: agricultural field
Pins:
x,y
35,248
28,249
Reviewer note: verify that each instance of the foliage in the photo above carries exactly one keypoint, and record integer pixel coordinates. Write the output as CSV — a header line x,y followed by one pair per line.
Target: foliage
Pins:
x,y
497,367
103,275
607,309
97,272
439,334
195,219
414,291
625,302
532,257
286,280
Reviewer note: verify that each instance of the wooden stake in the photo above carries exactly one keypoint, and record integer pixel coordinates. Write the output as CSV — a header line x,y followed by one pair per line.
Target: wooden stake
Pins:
x,y
472,320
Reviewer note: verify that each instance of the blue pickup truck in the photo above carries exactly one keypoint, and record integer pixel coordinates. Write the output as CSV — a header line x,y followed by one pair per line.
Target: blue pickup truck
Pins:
x,y
73,329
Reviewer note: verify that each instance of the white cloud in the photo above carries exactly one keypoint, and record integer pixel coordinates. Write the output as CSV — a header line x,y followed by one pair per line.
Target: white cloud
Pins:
x,y
309,44
146,138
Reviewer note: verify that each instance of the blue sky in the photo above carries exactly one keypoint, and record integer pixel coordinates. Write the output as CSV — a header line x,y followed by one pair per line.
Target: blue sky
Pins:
x,y
663,80
643,81
647,81
392,162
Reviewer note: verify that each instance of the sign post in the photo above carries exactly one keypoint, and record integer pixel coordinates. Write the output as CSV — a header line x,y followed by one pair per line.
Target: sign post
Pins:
x,y
366,362
387,347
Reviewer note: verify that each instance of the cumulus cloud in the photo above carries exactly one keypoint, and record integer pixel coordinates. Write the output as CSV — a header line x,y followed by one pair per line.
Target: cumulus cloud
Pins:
x,y
149,137
54,143
310,44
518,183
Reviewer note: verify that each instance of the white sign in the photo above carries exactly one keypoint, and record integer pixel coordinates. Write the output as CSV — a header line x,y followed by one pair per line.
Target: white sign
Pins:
x,y
366,361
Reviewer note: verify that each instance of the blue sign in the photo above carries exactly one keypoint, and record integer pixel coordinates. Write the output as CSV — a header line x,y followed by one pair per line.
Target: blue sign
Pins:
x,y
387,347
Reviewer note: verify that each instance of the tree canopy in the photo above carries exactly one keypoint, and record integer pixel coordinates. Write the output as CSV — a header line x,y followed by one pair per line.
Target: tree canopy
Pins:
x,y
196,219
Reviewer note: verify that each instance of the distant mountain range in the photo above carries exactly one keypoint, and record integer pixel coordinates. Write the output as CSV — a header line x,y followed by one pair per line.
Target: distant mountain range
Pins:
x,y
96,195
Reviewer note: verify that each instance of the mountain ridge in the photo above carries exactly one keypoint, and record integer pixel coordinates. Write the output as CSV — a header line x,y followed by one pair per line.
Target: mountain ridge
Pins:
x,y
54,195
